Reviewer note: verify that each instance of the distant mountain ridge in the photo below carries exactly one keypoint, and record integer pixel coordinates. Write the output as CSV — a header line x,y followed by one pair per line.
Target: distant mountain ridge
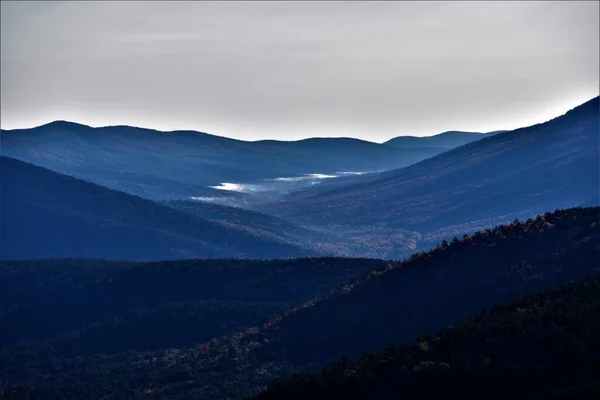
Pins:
x,y
514,174
445,140
181,164
48,215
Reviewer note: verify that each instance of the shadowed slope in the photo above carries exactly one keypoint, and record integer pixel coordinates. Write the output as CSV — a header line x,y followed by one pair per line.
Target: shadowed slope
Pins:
x,y
388,305
44,298
181,164
261,224
543,346
46,214
509,175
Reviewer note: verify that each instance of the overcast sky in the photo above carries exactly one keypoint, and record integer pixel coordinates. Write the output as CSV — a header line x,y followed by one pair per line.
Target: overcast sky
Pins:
x,y
288,70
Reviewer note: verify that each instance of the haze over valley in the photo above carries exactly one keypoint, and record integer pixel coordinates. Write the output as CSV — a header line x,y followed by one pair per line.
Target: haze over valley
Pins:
x,y
361,202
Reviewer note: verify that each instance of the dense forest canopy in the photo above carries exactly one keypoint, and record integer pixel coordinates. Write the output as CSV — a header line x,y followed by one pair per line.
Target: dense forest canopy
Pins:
x,y
50,215
310,253
542,346
41,298
280,323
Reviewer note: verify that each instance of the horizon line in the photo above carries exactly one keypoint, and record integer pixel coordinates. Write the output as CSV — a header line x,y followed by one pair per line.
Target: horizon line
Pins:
x,y
95,126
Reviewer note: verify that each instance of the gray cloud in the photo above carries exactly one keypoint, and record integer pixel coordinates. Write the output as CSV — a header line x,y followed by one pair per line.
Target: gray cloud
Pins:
x,y
295,69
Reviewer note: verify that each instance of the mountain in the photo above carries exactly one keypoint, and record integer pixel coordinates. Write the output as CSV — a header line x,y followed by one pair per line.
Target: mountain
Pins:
x,y
182,164
515,174
87,306
543,346
442,141
267,226
48,215
79,309
383,306
261,224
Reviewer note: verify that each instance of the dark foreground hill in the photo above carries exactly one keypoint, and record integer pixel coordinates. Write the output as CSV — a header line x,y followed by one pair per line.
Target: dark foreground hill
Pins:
x,y
175,165
515,174
48,215
385,306
77,307
543,346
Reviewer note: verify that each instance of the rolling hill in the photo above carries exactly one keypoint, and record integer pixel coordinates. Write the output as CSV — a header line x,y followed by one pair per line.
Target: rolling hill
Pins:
x,y
384,306
542,346
182,164
515,174
51,299
260,223
48,215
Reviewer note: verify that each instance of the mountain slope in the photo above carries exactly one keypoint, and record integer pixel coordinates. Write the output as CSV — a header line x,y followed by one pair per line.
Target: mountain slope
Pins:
x,y
541,346
432,290
49,298
182,164
509,175
48,215
388,305
261,224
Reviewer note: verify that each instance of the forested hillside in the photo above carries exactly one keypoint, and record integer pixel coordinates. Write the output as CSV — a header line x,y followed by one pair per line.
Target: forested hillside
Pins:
x,y
142,301
542,346
260,223
48,215
387,305
436,288
180,164
514,174
238,200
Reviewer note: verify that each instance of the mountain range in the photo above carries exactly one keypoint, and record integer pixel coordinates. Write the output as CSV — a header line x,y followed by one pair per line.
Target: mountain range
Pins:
x,y
126,273
48,215
513,174
182,164
502,176
445,140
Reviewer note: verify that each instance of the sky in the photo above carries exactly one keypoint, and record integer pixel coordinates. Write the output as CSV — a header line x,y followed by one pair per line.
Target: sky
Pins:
x,y
290,70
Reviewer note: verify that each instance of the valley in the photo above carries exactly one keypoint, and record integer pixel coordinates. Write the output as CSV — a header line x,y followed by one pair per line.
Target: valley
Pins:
x,y
207,278
97,222
515,174
387,214
271,200
183,164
